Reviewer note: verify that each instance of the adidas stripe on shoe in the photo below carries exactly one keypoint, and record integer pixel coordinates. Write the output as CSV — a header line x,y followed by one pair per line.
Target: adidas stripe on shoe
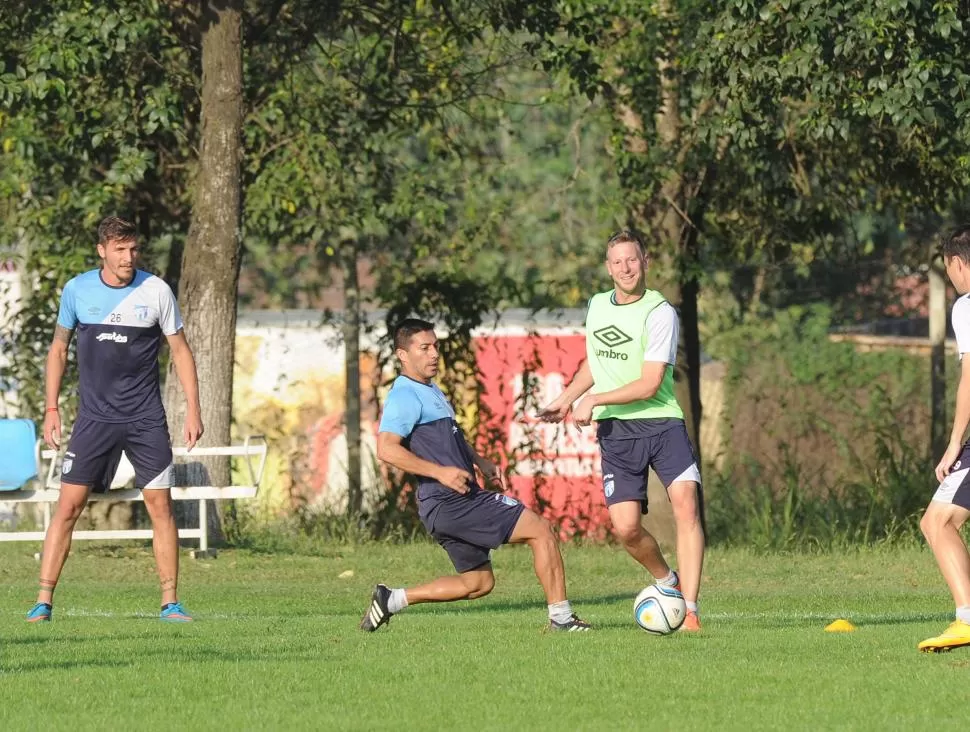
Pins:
x,y
378,613
572,625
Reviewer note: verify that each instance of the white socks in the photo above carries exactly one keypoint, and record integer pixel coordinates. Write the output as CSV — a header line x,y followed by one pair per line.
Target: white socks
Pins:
x,y
673,579
963,613
397,601
561,612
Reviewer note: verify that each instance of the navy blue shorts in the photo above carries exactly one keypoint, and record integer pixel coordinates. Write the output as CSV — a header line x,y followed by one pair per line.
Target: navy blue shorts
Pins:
x,y
627,459
95,448
469,526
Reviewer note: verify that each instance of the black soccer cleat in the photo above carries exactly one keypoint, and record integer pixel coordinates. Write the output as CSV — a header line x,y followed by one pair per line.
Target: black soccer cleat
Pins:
x,y
572,625
378,613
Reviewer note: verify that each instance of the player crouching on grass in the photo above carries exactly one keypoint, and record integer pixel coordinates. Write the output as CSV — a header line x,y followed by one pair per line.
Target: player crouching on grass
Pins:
x,y
950,506
418,434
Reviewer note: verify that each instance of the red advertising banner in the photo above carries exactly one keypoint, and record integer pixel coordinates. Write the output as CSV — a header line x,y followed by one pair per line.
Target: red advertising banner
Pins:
x,y
555,467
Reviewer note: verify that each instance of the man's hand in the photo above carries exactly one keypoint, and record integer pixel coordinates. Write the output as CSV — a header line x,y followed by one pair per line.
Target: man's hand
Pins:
x,y
946,462
193,429
583,413
555,411
52,429
454,478
494,474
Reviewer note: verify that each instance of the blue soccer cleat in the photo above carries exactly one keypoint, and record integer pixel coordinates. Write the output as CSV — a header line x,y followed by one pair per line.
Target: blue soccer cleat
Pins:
x,y
40,613
173,612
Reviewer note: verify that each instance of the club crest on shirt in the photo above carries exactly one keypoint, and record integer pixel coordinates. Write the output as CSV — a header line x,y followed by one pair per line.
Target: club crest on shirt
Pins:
x,y
143,313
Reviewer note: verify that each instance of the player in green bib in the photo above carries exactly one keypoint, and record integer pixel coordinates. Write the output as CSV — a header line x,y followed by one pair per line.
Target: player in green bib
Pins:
x,y
631,349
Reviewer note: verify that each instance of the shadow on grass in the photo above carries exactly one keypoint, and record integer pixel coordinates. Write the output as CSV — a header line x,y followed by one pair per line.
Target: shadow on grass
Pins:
x,y
578,603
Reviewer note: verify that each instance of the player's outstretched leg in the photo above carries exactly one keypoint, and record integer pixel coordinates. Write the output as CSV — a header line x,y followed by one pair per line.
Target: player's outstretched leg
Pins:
x,y
57,545
941,526
538,533
685,499
386,602
165,543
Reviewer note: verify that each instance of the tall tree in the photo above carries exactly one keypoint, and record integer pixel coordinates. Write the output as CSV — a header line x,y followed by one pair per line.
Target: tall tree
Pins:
x,y
210,262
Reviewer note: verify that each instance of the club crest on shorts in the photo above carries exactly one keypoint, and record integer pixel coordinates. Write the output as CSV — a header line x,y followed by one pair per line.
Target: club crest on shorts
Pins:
x,y
608,487
956,465
66,466
507,500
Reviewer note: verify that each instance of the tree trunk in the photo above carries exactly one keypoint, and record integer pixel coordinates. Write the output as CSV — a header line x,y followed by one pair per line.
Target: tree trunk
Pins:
x,y
673,241
939,429
210,261
677,236
351,337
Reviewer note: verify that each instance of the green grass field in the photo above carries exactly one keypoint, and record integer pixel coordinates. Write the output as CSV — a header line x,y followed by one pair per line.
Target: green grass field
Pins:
x,y
276,646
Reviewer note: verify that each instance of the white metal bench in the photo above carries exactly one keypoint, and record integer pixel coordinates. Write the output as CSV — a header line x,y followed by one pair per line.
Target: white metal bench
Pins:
x,y
253,450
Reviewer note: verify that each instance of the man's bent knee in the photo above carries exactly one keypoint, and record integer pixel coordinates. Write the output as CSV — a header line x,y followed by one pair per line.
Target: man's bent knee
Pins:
x,y
627,533
71,502
158,501
928,525
532,528
684,501
940,516
478,583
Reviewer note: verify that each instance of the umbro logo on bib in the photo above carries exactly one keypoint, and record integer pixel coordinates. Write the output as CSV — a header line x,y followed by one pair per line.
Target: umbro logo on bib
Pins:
x,y
611,336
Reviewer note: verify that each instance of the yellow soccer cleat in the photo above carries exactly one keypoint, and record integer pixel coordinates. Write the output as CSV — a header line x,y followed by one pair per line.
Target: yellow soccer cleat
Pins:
x,y
958,634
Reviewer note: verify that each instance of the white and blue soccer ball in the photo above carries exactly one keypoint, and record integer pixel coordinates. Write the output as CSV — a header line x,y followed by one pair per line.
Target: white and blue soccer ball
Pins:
x,y
659,610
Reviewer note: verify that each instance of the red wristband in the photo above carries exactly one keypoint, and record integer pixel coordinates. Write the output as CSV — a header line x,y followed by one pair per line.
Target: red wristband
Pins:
x,y
53,409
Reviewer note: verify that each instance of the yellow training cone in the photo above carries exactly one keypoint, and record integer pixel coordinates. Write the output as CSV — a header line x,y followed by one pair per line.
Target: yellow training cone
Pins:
x,y
839,626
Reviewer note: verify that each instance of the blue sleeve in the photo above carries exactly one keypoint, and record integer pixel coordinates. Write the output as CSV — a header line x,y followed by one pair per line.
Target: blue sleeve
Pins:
x,y
402,410
67,314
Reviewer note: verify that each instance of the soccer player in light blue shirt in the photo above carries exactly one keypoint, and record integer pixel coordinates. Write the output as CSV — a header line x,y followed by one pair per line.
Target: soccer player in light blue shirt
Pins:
x,y
418,434
121,314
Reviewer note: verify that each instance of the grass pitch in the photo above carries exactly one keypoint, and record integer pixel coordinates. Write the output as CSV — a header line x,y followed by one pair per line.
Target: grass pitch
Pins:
x,y
276,646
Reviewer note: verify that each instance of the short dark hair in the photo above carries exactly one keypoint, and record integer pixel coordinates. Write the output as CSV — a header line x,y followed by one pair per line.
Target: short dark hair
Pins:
x,y
114,228
408,328
957,244
627,236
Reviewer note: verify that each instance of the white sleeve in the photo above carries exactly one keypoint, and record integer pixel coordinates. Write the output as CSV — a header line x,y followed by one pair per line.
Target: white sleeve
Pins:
x,y
960,318
169,317
663,334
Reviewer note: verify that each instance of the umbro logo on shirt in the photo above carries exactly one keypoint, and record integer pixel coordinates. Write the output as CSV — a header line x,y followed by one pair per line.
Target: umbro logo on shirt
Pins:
x,y
116,337
611,336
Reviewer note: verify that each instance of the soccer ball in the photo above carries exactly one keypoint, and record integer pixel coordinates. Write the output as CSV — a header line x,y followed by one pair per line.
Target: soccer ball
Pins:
x,y
659,610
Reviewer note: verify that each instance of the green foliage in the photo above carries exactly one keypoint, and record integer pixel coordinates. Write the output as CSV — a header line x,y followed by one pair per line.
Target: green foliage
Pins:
x,y
828,445
838,118
96,119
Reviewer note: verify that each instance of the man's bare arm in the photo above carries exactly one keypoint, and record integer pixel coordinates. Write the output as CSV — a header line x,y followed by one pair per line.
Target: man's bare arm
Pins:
x,y
56,364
